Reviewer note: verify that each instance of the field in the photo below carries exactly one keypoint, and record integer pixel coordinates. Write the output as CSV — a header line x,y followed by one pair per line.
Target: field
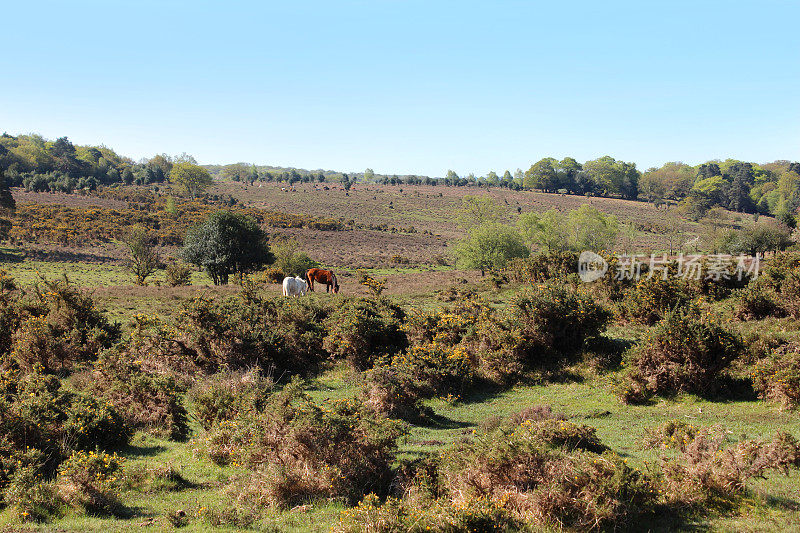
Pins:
x,y
417,224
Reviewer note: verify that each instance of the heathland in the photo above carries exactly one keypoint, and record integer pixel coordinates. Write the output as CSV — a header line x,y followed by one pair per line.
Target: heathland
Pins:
x,y
426,395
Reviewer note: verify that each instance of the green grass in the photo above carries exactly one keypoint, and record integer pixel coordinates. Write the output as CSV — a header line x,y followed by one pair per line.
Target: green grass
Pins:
x,y
770,507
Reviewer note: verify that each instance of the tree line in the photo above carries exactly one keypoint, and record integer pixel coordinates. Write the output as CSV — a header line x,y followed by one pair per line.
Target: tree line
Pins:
x,y
38,164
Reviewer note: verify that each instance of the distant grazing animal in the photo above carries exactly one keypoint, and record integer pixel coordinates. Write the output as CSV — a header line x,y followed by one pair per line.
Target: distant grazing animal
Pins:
x,y
324,277
294,286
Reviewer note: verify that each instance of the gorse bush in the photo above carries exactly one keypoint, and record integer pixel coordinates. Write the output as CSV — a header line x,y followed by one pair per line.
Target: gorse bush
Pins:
x,y
275,334
54,325
296,450
686,352
557,320
652,297
178,275
674,434
147,401
40,425
226,396
375,286
527,471
708,470
544,266
28,494
757,300
91,481
362,330
777,376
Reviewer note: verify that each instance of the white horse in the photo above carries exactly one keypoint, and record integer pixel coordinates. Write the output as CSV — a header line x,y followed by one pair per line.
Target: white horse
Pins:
x,y
294,286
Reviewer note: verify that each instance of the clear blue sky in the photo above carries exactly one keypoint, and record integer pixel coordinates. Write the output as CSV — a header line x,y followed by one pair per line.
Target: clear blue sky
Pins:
x,y
408,86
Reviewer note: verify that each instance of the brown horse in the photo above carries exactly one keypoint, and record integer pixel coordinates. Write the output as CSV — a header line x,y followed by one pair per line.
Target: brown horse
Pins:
x,y
325,277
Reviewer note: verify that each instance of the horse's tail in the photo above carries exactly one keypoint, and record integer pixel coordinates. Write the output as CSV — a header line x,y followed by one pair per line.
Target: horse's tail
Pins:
x,y
333,279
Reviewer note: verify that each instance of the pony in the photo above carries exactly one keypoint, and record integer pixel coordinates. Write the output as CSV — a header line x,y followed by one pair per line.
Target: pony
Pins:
x,y
325,277
294,286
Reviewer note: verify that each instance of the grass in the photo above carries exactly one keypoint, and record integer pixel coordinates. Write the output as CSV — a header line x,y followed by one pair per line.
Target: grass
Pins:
x,y
771,506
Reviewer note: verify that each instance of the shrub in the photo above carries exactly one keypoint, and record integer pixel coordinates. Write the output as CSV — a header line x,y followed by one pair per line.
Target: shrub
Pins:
x,y
715,286
756,301
708,470
674,434
545,486
435,369
471,514
28,494
296,450
393,394
561,433
652,297
375,286
226,396
498,351
147,401
275,334
544,266
535,413
363,330
178,275
38,416
777,376
790,294
449,325
274,275
56,327
685,353
91,481
557,320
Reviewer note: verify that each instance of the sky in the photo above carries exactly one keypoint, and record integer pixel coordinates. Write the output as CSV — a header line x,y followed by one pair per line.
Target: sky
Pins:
x,y
408,87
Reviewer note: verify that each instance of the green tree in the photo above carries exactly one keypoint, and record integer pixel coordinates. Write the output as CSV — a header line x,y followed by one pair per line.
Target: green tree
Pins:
x,y
290,259
236,172
190,178
788,192
490,246
614,177
6,199
477,210
143,258
546,230
542,175
226,243
585,228
591,229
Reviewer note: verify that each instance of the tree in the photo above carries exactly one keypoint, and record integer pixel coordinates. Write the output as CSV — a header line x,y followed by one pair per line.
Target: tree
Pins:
x,y
369,175
226,243
542,175
143,258
585,228
547,230
788,192
567,172
590,229
614,177
191,178
477,210
236,172
490,246
6,199
290,260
